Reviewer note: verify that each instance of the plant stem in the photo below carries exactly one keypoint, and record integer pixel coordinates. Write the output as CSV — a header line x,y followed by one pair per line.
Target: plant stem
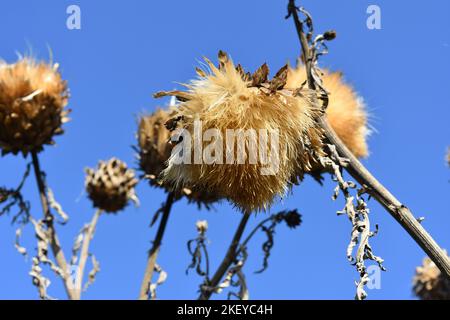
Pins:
x,y
356,169
153,253
84,254
229,258
53,238
397,210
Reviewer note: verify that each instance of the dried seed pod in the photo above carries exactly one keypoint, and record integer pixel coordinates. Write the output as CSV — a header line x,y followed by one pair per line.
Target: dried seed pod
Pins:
x,y
32,101
346,111
227,98
429,283
111,185
155,147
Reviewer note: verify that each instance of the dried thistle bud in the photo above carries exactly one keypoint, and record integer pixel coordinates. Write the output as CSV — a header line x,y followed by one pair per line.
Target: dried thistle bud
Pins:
x,y
329,35
32,101
111,185
155,147
346,111
292,218
202,226
228,99
429,283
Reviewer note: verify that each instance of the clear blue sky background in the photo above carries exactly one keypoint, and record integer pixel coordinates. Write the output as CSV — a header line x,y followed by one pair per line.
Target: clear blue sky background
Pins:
x,y
126,50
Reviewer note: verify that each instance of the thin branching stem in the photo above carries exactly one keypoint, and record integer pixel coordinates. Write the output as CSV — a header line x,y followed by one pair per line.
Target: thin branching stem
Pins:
x,y
153,253
84,254
53,238
356,169
228,260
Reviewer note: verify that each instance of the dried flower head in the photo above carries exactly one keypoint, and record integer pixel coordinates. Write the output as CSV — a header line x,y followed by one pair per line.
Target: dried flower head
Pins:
x,y
111,185
292,218
429,283
32,100
227,98
155,148
346,111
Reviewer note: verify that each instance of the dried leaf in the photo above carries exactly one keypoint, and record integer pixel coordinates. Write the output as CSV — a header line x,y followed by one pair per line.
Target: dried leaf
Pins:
x,y
260,76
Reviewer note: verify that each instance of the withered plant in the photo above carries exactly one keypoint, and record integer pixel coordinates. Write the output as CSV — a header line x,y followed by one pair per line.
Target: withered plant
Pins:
x,y
322,128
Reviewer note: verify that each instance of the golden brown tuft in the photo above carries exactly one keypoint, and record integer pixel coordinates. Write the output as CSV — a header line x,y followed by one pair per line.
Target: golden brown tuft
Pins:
x,y
111,185
429,283
229,98
154,151
32,100
346,110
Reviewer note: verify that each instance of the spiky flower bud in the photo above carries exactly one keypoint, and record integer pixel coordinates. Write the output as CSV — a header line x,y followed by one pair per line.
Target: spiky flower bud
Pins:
x,y
429,283
111,185
155,147
32,101
292,218
228,98
346,111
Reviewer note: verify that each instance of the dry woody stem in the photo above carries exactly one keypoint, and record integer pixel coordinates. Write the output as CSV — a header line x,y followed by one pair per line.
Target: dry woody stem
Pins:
x,y
153,253
84,254
227,261
373,187
49,219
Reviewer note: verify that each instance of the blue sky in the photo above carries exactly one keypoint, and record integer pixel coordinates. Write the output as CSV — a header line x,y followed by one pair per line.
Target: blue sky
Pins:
x,y
127,50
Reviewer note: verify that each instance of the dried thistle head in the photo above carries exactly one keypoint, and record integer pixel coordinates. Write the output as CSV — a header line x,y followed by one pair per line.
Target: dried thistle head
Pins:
x,y
227,98
429,283
32,100
111,185
155,147
346,111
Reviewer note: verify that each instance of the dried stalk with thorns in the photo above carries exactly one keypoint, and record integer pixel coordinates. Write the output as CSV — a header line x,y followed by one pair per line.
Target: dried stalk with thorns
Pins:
x,y
236,257
353,166
50,232
152,266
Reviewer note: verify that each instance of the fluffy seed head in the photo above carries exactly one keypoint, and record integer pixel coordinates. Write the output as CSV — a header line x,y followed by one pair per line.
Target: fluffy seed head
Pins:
x,y
429,283
228,98
154,150
346,111
32,100
111,185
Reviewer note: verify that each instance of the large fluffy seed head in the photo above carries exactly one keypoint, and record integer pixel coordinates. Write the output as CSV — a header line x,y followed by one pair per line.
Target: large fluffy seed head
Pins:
x,y
346,111
111,185
429,283
32,100
227,98
155,149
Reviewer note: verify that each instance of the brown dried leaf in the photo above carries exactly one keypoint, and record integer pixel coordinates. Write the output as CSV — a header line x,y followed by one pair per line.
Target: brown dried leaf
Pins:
x,y
260,76
279,81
